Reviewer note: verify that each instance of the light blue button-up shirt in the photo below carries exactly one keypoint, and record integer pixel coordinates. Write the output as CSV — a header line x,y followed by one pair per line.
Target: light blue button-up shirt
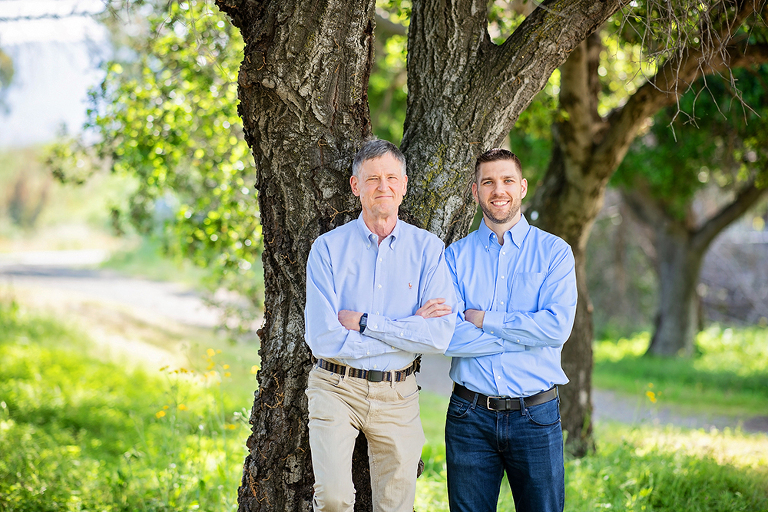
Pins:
x,y
348,269
527,287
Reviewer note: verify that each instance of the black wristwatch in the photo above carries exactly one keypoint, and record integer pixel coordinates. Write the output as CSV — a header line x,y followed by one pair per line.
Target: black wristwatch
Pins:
x,y
363,322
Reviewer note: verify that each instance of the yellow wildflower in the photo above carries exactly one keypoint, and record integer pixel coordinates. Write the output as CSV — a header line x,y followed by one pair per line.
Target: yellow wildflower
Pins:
x,y
159,414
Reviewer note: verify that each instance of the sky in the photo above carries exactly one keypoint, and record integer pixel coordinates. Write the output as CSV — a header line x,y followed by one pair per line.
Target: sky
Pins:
x,y
56,48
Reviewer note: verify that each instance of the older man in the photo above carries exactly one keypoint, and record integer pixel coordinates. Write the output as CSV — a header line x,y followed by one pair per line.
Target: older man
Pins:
x,y
378,294
517,300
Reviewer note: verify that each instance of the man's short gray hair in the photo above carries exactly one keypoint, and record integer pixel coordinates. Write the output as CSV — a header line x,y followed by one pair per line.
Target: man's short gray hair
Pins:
x,y
374,149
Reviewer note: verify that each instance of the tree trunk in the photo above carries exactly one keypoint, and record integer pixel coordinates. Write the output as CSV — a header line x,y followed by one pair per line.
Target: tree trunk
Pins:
x,y
569,211
303,100
566,203
679,263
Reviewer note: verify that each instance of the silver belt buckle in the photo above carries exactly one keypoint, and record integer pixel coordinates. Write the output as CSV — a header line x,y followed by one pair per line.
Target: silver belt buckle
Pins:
x,y
488,402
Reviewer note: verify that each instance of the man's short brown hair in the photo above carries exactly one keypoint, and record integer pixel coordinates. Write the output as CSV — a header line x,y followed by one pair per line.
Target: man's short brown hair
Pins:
x,y
495,154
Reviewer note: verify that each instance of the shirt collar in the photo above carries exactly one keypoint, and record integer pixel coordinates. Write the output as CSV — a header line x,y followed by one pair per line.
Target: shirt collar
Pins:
x,y
517,233
372,238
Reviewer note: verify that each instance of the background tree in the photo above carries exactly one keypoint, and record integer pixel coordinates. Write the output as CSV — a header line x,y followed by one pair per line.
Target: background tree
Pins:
x,y
722,147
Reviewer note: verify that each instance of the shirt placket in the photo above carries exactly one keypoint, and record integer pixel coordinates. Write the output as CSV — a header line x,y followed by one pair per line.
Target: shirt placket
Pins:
x,y
379,283
499,301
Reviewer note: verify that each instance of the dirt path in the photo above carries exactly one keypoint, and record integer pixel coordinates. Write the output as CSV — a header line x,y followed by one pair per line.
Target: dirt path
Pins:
x,y
110,301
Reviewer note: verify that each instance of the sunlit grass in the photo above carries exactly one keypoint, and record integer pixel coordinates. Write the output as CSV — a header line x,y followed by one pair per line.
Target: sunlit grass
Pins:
x,y
92,433
89,434
728,375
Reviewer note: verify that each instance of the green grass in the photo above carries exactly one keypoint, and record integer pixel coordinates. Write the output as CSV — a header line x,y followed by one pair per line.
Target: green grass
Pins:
x,y
91,434
87,434
729,374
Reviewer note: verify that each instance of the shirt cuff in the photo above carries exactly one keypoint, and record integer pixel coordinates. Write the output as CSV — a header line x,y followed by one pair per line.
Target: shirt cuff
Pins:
x,y
376,323
493,322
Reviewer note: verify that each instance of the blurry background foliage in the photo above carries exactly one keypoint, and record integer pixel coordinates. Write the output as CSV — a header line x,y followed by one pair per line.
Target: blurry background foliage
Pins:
x,y
716,141
166,114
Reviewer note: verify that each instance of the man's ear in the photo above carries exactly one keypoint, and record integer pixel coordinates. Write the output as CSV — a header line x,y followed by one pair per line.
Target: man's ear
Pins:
x,y
524,187
474,192
353,183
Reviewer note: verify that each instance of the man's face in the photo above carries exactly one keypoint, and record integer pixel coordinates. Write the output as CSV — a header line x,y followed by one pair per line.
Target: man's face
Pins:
x,y
380,186
500,189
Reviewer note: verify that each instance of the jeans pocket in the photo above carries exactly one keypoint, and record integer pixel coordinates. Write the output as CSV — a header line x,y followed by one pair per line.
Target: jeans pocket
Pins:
x,y
458,408
544,415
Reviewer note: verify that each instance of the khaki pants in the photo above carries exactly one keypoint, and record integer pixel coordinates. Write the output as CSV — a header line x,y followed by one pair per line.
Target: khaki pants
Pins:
x,y
388,414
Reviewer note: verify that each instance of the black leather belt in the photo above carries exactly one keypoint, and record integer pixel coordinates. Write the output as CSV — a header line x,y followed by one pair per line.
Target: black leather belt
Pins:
x,y
369,375
504,403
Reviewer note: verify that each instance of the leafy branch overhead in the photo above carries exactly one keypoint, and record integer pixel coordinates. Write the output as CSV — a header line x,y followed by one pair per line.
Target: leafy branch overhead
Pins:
x,y
166,114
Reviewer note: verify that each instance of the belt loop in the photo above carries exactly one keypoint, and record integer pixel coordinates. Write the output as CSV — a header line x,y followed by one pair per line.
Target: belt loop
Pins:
x,y
474,402
522,406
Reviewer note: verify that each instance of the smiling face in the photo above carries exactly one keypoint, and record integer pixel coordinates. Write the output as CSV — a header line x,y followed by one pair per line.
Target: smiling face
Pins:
x,y
500,189
380,185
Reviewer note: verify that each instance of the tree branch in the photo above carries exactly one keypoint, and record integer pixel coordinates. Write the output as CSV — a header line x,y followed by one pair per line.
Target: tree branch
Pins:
x,y
643,206
521,66
744,200
669,83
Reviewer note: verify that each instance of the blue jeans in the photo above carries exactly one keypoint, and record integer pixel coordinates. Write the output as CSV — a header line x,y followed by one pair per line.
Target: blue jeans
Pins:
x,y
481,445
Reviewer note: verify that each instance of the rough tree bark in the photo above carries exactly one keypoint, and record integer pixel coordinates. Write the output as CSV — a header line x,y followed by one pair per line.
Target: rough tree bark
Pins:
x,y
681,246
587,150
302,89
303,100
465,94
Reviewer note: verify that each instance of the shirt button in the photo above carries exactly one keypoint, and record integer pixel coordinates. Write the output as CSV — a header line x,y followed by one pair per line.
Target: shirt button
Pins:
x,y
368,353
498,378
401,334
379,259
502,302
377,313
518,341
375,366
501,277
502,252
379,286
491,332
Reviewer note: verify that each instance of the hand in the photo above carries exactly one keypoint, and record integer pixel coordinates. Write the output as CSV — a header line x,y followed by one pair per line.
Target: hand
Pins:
x,y
434,308
475,316
350,319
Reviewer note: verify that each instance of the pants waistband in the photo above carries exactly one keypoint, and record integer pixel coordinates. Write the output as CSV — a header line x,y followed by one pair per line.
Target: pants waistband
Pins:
x,y
504,403
369,375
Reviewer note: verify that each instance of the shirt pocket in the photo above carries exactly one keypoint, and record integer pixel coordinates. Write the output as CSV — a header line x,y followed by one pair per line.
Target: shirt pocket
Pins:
x,y
524,291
